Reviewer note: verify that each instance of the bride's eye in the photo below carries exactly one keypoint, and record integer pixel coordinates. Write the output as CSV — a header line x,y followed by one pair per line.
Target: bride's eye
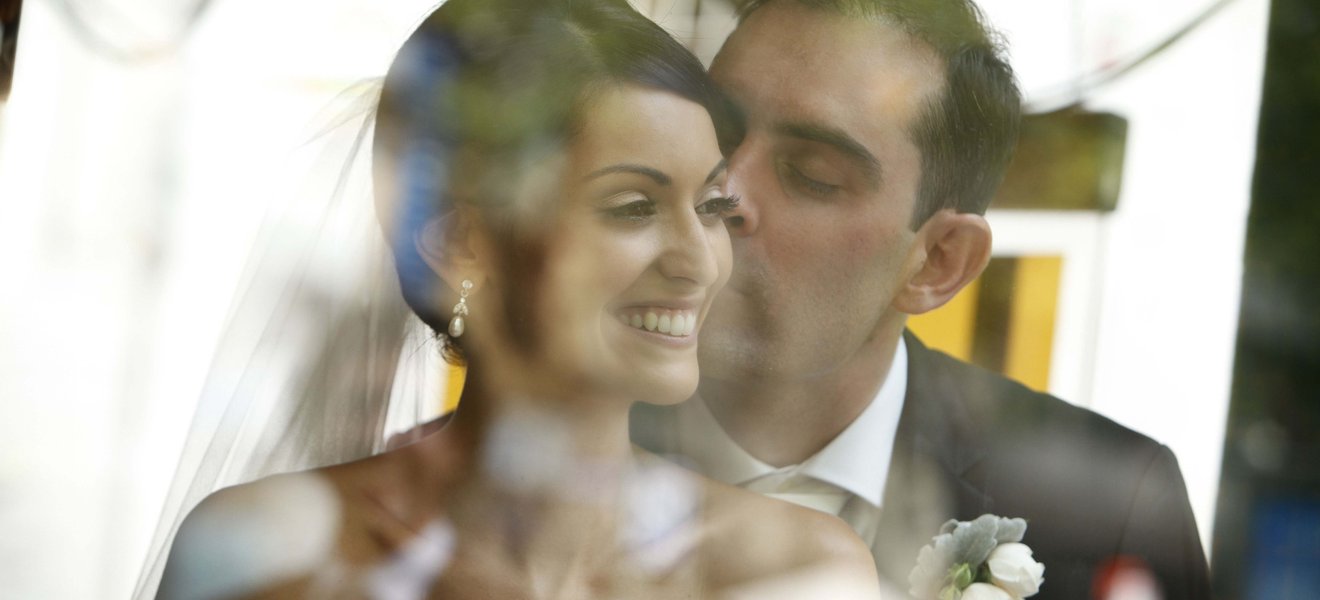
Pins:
x,y
637,210
718,208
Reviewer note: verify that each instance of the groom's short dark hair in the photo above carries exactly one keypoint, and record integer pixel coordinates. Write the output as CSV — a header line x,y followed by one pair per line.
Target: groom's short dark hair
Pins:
x,y
966,135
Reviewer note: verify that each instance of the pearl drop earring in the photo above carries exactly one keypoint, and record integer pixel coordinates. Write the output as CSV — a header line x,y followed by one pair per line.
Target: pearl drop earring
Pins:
x,y
456,324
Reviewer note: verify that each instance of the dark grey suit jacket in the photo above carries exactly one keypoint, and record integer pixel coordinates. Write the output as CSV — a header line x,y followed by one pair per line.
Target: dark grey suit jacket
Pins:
x,y
971,442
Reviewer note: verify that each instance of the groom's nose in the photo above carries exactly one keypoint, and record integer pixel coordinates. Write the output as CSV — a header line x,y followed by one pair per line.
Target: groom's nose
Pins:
x,y
743,177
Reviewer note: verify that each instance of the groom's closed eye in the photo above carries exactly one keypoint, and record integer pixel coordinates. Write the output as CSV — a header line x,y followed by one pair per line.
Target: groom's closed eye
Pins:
x,y
795,179
829,156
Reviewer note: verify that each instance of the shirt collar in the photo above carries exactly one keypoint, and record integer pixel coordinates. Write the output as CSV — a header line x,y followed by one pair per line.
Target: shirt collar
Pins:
x,y
857,460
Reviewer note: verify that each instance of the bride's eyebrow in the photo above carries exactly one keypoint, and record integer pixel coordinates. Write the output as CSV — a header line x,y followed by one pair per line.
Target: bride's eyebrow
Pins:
x,y
719,168
659,177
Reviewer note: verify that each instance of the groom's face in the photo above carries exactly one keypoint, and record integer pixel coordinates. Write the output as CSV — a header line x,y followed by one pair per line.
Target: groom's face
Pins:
x,y
829,175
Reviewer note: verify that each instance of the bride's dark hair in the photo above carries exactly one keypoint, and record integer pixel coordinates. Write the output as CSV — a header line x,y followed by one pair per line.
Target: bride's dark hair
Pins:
x,y
483,90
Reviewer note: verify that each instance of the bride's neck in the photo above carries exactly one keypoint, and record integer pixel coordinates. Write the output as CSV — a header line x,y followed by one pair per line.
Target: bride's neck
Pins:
x,y
574,426
548,480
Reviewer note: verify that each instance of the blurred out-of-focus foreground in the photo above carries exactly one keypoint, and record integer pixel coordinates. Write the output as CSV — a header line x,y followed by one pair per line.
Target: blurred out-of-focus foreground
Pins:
x,y
1155,246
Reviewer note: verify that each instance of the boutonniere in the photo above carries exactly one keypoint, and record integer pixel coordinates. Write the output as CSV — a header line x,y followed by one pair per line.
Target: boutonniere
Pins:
x,y
982,559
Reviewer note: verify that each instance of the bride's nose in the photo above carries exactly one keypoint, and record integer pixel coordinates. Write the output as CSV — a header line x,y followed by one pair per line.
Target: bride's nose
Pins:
x,y
689,251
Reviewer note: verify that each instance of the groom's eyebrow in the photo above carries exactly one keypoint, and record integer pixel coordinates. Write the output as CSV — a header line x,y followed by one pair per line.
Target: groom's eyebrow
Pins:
x,y
659,177
836,139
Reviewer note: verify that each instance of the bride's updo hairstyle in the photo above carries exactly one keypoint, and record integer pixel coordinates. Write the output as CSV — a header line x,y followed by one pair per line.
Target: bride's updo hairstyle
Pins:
x,y
485,94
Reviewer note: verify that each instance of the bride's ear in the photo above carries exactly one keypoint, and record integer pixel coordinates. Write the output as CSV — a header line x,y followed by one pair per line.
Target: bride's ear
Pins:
x,y
950,251
453,246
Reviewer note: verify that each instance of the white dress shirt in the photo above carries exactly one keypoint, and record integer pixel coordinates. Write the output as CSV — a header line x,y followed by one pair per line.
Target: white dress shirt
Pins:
x,y
853,467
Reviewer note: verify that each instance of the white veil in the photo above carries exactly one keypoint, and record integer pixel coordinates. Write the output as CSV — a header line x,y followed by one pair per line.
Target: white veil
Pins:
x,y
320,360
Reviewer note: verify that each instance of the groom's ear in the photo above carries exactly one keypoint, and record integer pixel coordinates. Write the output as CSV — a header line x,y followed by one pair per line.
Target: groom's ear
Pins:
x,y
950,251
453,246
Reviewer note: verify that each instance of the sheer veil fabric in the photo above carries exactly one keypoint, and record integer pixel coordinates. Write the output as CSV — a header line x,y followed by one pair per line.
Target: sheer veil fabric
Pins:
x,y
320,359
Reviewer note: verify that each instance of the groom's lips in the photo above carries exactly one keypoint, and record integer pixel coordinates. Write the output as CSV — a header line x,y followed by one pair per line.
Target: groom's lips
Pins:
x,y
751,291
748,281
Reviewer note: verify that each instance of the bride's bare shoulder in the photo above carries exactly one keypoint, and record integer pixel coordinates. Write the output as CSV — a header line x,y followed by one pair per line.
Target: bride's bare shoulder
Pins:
x,y
756,547
769,538
240,539
277,528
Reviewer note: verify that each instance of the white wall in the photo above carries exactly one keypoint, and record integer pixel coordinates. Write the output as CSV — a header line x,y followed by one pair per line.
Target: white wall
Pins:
x,y
1166,267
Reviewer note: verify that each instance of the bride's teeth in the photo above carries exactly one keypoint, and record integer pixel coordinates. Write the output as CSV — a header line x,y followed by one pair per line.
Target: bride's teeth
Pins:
x,y
674,323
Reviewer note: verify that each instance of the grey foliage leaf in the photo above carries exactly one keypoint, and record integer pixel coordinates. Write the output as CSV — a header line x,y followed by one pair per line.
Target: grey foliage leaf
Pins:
x,y
1010,530
973,541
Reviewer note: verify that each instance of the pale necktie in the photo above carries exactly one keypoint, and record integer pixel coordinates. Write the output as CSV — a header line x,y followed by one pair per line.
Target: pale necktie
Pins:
x,y
802,490
862,516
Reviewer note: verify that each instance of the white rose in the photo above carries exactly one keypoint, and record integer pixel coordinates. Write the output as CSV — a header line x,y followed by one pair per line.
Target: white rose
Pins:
x,y
985,591
1012,568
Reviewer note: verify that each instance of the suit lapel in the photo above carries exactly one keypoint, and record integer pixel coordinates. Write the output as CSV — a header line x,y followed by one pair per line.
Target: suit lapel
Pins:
x,y
940,424
936,472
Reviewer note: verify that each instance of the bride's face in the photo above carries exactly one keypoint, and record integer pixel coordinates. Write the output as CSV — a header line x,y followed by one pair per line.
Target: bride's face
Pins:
x,y
639,248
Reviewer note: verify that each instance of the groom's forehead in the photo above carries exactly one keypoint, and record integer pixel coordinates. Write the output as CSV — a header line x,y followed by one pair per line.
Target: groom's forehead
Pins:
x,y
799,62
788,39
